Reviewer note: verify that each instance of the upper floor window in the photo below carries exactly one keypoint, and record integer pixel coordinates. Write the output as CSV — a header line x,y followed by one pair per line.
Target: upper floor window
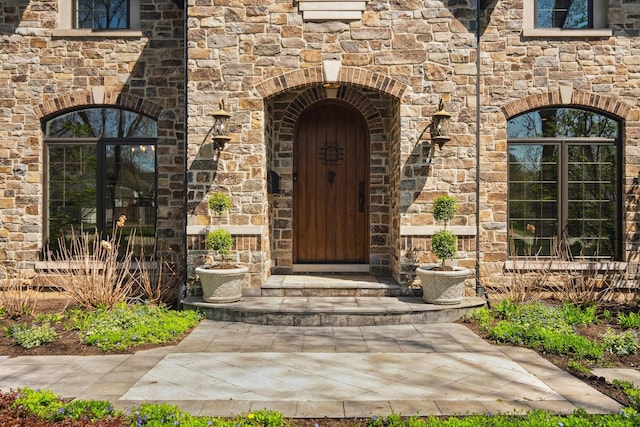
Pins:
x,y
565,18
79,18
100,163
564,193
567,14
102,14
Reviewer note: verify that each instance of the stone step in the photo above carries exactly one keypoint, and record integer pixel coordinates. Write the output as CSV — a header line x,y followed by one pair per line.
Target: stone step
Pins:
x,y
339,285
334,311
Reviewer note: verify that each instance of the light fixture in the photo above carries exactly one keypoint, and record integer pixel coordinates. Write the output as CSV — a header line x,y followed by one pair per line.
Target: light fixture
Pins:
x,y
439,126
220,129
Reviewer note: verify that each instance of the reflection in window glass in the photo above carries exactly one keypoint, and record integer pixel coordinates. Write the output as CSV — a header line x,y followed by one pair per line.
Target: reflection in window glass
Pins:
x,y
72,190
101,165
102,14
564,184
565,14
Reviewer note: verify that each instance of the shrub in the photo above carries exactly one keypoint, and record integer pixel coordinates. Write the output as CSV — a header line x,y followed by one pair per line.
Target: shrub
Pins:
x,y
93,271
17,296
218,203
220,242
444,243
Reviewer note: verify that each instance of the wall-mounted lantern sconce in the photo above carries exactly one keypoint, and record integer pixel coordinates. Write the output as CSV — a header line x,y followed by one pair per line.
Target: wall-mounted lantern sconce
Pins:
x,y
439,127
220,129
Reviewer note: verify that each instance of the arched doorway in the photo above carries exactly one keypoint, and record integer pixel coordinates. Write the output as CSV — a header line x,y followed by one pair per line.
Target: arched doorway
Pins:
x,y
331,185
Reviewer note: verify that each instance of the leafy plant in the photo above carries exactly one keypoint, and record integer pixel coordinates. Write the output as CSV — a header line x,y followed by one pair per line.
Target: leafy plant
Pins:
x,y
49,406
620,344
629,321
632,392
220,242
543,327
578,367
128,326
575,315
483,317
218,203
444,243
31,336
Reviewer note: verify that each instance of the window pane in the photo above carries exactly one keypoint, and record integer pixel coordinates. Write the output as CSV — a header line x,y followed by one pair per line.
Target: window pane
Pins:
x,y
533,198
592,200
566,14
72,191
102,14
562,123
101,122
131,191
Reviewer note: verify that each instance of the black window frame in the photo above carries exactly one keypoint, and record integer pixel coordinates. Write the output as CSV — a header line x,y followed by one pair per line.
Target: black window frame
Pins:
x,y
563,144
101,181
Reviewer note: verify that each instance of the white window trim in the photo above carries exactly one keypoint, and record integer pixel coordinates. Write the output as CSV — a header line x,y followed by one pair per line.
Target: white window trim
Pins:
x,y
599,23
65,23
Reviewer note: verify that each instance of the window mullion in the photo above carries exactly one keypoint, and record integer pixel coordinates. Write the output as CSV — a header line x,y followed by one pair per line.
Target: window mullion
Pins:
x,y
563,191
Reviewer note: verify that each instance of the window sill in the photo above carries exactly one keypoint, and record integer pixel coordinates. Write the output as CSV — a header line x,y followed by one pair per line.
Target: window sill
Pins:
x,y
560,33
567,266
88,32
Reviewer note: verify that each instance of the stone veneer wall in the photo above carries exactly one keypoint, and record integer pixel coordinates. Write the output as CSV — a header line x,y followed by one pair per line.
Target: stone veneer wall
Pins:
x,y
404,54
42,73
523,73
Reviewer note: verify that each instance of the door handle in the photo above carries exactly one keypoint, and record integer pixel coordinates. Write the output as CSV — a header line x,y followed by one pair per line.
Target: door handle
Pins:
x,y
361,196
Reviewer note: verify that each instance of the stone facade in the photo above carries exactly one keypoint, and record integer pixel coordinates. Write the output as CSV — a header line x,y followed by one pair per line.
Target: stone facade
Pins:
x,y
268,64
44,72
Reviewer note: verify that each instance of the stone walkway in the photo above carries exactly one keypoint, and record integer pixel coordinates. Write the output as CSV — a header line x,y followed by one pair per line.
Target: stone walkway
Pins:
x,y
226,369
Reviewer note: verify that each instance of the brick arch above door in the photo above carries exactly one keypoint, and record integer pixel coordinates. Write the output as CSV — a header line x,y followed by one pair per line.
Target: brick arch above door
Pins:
x,y
348,94
346,75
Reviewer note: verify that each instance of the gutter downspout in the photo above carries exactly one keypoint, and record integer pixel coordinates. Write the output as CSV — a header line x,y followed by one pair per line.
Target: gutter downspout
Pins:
x,y
479,287
182,289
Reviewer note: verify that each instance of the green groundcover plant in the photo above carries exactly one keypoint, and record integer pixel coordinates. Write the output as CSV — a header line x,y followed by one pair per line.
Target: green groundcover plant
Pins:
x,y
50,407
548,328
125,326
117,328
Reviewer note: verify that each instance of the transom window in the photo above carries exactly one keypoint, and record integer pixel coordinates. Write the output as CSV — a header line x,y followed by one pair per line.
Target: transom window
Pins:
x,y
101,164
565,14
102,14
564,184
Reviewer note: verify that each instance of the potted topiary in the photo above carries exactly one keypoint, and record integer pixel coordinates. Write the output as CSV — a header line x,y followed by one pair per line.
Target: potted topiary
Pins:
x,y
221,280
442,283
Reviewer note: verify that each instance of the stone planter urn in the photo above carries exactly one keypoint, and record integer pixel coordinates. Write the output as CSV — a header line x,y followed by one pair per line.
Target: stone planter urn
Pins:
x,y
221,285
442,287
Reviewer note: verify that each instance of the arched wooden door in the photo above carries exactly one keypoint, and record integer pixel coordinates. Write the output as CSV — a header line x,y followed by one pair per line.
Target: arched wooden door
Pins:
x,y
331,185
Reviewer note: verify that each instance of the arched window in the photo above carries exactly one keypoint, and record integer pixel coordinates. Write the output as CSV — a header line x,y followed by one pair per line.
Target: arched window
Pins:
x,y
565,184
100,164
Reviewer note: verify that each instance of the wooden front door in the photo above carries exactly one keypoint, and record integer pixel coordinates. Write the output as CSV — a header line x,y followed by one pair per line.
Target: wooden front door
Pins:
x,y
331,185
